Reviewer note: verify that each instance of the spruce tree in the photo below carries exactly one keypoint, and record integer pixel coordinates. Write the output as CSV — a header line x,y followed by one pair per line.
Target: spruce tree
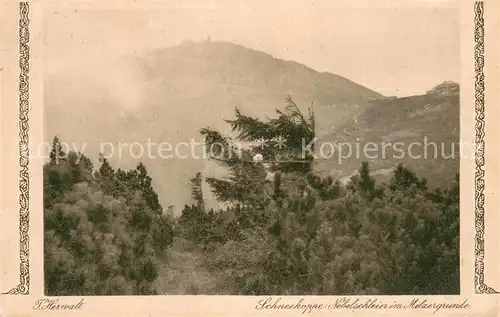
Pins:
x,y
196,191
57,153
279,140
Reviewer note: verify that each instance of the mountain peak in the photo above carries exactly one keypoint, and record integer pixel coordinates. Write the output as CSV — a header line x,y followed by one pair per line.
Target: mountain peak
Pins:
x,y
211,49
445,88
234,64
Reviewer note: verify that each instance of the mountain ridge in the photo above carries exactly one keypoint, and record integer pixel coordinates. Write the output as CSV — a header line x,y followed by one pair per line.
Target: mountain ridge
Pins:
x,y
163,97
422,120
191,44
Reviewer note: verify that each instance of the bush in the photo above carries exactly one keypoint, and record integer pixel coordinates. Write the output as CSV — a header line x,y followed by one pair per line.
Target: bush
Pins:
x,y
103,234
366,238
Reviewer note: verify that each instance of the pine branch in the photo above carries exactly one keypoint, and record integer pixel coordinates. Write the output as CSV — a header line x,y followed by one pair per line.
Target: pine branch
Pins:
x,y
218,147
196,191
250,128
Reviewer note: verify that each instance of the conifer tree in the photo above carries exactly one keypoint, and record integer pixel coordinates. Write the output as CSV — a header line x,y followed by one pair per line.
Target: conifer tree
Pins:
x,y
196,191
279,140
57,152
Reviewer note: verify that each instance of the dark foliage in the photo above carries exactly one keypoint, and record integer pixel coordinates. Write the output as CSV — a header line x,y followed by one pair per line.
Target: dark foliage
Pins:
x,y
287,230
104,233
323,238
305,234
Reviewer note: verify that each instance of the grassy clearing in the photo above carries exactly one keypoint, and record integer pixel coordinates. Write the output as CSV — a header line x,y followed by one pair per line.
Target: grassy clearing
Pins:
x,y
184,273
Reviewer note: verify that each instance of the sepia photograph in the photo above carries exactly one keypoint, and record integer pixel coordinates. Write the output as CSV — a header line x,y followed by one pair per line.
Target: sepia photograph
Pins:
x,y
237,148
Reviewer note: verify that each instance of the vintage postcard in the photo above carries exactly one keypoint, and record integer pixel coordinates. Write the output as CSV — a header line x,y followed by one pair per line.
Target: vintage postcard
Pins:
x,y
250,158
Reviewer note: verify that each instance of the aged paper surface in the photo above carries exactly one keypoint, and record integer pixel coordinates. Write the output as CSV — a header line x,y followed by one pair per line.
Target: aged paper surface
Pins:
x,y
128,211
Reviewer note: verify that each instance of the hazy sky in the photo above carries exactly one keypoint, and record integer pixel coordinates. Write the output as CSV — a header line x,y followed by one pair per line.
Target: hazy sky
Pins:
x,y
395,50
